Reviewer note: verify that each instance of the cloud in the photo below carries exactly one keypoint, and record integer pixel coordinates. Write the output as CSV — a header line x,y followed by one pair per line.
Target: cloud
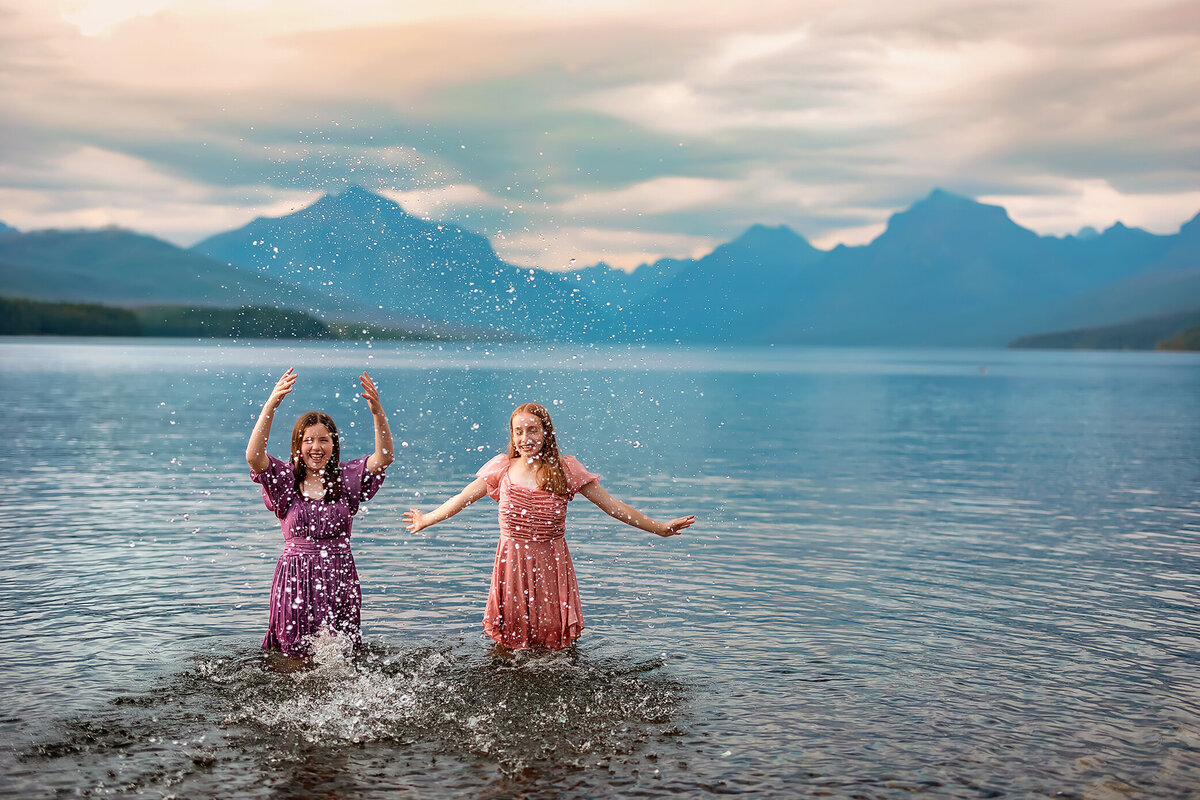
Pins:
x,y
655,196
449,200
574,247
92,187
699,206
1066,206
678,122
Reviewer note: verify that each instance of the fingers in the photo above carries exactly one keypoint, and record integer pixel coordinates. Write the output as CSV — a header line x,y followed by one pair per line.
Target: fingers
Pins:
x,y
677,525
370,392
285,382
282,387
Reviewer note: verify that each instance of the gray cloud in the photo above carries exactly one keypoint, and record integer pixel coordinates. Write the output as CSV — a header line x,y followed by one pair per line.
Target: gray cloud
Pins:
x,y
824,116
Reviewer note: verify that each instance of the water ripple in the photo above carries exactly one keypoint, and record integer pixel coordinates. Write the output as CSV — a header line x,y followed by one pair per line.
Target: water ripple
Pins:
x,y
905,579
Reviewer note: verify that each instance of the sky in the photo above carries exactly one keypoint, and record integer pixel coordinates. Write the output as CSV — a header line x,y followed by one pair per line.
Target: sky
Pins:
x,y
599,130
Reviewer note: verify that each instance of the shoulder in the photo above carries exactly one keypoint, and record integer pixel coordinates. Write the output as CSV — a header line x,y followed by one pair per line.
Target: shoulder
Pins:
x,y
275,469
576,474
355,465
493,473
571,463
495,466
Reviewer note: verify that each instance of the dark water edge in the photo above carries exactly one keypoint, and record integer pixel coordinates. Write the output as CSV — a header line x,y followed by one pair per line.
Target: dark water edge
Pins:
x,y
427,721
466,722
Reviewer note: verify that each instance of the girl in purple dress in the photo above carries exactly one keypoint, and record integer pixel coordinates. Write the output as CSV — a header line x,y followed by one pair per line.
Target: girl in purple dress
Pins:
x,y
315,588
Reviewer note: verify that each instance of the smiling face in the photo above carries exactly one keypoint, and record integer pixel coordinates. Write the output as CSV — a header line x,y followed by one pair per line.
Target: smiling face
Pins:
x,y
316,446
528,435
316,450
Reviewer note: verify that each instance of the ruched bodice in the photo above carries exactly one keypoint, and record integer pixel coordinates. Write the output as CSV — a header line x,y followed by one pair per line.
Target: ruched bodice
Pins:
x,y
531,514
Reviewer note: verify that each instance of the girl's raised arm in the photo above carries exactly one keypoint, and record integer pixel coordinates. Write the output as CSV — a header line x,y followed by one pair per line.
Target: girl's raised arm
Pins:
x,y
383,454
631,516
256,449
418,521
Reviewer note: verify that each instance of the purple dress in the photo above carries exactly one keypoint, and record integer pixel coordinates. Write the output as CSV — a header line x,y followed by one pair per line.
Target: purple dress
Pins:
x,y
316,584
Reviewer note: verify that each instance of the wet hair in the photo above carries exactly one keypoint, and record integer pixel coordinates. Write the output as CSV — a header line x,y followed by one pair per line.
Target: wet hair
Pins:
x,y
550,475
333,470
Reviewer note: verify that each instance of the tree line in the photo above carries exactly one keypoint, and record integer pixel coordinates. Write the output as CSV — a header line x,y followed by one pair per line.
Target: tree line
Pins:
x,y
23,317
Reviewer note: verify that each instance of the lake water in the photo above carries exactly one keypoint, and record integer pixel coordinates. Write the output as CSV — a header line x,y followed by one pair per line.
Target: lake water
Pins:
x,y
959,573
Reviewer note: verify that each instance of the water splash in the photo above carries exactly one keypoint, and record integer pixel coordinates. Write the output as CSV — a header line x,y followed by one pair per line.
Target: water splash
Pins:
x,y
236,718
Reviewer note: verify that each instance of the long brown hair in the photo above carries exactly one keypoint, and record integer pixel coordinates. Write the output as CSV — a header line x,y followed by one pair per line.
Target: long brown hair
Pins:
x,y
333,470
550,475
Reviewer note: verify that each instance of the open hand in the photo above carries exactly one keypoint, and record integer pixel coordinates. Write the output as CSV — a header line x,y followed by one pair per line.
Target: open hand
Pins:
x,y
416,520
675,526
370,394
282,387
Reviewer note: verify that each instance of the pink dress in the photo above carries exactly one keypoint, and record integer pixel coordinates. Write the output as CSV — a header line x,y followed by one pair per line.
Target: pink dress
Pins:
x,y
534,599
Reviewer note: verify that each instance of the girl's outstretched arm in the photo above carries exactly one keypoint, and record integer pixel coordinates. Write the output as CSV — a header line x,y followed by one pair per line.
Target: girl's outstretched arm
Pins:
x,y
383,454
418,521
631,516
256,450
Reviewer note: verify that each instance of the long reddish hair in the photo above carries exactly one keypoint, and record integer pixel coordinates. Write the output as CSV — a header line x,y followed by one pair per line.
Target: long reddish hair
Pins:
x,y
333,470
550,475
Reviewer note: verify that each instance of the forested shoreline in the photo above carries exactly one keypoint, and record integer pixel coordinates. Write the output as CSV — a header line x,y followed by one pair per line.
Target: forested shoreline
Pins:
x,y
23,317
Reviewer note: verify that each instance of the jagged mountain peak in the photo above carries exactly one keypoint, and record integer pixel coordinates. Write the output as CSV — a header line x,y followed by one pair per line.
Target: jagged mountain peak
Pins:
x,y
943,217
763,243
770,236
358,198
942,204
359,205
1191,228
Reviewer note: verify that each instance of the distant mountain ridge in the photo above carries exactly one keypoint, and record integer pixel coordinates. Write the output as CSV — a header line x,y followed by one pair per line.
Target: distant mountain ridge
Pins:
x,y
415,271
946,271
119,267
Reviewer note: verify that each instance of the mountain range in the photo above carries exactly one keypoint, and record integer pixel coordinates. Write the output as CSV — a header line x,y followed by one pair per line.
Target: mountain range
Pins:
x,y
418,273
122,268
946,271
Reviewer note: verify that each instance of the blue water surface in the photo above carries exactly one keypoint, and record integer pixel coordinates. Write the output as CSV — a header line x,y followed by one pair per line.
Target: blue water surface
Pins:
x,y
953,572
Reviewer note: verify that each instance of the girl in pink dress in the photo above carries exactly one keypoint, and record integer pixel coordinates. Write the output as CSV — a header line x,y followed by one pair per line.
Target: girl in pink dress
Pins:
x,y
534,600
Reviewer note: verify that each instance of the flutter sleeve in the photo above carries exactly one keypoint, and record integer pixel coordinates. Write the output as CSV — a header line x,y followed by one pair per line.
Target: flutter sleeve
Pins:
x,y
576,474
278,486
492,472
359,483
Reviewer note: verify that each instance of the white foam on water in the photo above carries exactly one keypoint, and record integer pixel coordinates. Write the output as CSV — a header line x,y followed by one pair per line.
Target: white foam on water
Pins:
x,y
515,710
